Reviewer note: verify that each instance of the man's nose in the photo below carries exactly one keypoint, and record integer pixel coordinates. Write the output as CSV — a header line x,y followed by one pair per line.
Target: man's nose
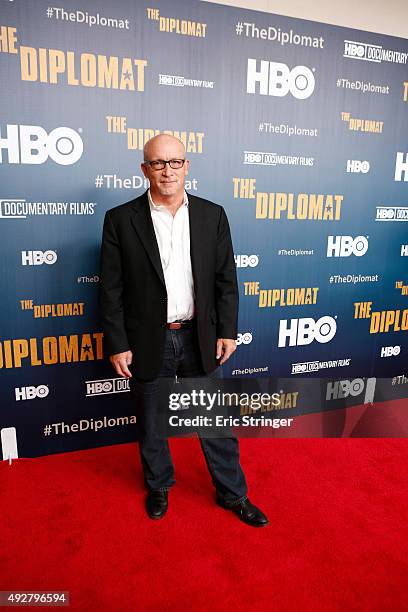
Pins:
x,y
167,170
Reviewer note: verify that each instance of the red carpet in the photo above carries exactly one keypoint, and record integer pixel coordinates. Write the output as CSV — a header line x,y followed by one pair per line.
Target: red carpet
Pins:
x,y
337,538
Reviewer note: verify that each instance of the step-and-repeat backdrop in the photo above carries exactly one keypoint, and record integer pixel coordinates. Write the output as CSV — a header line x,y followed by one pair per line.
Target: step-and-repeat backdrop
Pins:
x,y
297,128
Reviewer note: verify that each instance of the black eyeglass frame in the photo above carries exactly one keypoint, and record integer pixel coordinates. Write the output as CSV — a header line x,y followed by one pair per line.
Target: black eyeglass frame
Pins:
x,y
163,163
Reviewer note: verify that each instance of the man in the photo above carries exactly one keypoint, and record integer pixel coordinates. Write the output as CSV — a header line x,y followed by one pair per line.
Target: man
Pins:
x,y
169,303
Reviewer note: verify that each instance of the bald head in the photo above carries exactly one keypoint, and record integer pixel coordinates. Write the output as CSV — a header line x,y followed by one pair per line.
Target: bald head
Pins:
x,y
158,146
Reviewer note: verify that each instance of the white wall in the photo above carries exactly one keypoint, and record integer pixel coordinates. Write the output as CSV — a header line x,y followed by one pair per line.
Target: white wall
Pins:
x,y
389,17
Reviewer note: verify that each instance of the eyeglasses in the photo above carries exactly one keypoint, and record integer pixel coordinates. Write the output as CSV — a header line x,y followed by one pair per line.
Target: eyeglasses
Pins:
x,y
160,164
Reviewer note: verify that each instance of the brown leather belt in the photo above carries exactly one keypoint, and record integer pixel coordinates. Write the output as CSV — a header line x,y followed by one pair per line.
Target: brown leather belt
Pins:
x,y
180,324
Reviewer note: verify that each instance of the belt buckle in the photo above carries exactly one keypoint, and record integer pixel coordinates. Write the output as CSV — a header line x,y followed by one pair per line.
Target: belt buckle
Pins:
x,y
174,325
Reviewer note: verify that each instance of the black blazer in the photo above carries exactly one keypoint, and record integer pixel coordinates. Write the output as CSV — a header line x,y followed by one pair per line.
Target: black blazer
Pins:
x,y
132,290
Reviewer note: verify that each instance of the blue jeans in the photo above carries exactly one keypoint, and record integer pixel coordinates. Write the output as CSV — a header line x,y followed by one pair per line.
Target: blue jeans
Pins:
x,y
182,358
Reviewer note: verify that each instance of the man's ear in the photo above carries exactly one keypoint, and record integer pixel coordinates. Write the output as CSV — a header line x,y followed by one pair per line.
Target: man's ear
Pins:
x,y
144,169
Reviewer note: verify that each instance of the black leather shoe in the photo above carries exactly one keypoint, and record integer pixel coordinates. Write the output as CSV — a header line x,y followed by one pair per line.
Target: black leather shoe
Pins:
x,y
157,504
247,512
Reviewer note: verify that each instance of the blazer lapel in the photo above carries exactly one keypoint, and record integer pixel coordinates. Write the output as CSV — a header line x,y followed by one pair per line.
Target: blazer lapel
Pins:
x,y
143,224
197,235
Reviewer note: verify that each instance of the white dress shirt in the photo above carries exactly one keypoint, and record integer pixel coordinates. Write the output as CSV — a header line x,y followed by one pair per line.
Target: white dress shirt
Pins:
x,y
173,239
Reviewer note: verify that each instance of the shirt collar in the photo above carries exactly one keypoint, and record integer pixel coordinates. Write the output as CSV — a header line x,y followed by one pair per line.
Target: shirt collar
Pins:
x,y
154,206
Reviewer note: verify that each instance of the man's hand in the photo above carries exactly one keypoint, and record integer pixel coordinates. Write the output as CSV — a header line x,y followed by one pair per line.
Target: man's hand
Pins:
x,y
225,348
120,362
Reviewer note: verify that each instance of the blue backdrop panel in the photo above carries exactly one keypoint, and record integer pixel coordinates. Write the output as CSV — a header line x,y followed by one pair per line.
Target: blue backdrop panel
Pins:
x,y
297,128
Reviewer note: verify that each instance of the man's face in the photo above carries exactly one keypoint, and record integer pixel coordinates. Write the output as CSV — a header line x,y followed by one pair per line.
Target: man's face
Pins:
x,y
167,182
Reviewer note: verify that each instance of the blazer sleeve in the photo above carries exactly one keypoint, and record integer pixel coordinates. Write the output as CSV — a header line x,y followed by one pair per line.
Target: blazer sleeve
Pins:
x,y
226,287
111,290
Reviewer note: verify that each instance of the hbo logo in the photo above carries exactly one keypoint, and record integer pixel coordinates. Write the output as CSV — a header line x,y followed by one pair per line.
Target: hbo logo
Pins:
x,y
352,49
345,388
99,387
26,393
245,338
305,331
390,351
354,165
401,167
276,79
32,145
111,385
245,261
252,158
344,246
385,213
37,258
